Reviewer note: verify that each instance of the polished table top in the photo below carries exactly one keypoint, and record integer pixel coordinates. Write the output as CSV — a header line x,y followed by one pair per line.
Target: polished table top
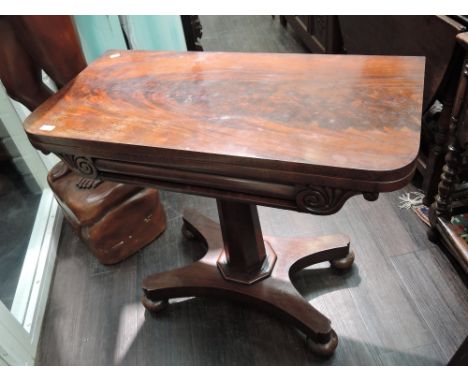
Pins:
x,y
281,118
351,112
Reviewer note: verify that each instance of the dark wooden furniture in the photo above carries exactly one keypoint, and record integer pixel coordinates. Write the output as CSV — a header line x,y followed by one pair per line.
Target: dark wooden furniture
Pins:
x,y
192,32
321,34
299,132
452,196
114,220
30,44
435,38
460,358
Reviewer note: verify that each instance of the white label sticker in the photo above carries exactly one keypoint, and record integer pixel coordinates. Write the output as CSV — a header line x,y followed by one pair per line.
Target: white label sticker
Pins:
x,y
47,127
115,55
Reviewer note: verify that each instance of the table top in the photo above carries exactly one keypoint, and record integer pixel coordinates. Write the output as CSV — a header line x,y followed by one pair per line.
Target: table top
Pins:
x,y
357,116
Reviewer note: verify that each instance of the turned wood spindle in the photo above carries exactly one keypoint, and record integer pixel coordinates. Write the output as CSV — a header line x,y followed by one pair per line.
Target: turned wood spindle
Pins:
x,y
448,179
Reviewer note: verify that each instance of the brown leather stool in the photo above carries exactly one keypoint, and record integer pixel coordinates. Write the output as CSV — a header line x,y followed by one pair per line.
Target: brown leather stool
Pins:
x,y
114,220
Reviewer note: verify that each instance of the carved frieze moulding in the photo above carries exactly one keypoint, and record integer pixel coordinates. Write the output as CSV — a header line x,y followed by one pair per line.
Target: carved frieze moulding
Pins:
x,y
318,200
322,200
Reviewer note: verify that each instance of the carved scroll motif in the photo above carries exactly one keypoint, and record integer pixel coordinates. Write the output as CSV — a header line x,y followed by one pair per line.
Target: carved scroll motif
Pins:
x,y
321,200
80,164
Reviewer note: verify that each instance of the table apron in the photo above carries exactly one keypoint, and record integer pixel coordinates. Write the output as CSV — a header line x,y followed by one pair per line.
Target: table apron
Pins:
x,y
316,199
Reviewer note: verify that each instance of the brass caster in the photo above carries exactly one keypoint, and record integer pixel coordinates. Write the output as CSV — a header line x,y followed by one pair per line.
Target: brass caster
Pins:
x,y
187,233
323,349
343,263
154,306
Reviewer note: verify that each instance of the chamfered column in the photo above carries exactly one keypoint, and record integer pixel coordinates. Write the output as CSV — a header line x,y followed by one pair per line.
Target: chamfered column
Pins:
x,y
242,235
246,257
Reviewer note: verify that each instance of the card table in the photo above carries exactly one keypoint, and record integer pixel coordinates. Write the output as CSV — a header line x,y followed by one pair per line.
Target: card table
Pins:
x,y
301,132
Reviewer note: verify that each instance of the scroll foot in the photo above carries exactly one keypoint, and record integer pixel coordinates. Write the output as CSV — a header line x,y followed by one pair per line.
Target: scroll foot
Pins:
x,y
343,263
154,306
323,349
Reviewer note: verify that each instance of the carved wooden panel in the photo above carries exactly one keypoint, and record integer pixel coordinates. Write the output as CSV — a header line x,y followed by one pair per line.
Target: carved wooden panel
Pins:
x,y
321,200
321,34
81,164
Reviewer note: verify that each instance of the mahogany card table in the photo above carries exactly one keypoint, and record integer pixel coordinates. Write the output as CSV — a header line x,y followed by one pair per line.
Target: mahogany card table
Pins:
x,y
301,132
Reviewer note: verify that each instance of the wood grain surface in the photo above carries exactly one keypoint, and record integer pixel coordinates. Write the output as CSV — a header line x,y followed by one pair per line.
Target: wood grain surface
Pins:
x,y
317,113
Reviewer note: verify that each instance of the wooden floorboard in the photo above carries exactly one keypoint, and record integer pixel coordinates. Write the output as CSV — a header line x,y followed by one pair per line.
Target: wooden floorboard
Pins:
x,y
439,295
390,315
403,302
426,355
